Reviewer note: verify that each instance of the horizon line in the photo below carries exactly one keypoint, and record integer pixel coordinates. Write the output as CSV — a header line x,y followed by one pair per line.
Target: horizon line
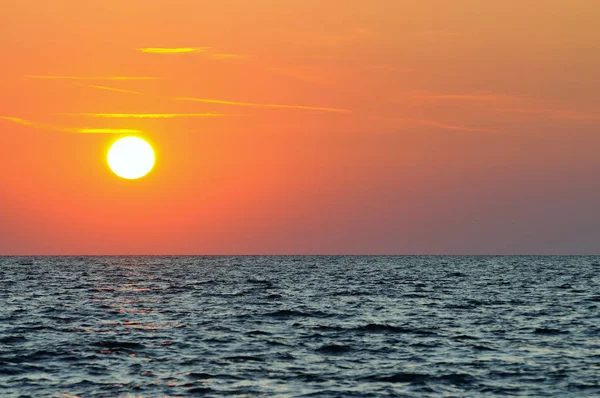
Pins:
x,y
301,255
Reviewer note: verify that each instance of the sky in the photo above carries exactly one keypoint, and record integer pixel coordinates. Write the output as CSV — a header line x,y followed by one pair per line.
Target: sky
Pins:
x,y
302,126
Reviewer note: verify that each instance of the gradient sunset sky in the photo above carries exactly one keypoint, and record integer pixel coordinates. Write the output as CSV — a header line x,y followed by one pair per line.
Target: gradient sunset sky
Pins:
x,y
292,127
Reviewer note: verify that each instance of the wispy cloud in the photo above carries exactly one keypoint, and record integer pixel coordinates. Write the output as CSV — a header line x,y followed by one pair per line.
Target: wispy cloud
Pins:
x,y
439,125
553,113
92,77
24,122
207,101
574,115
192,99
86,130
186,50
257,105
119,90
79,130
516,104
172,50
146,115
468,97
446,126
483,99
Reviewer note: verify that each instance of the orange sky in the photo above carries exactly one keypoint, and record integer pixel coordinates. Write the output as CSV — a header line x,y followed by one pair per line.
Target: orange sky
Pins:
x,y
341,126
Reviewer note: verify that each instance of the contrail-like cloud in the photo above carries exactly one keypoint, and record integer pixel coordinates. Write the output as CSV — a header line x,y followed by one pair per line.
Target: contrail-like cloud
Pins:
x,y
119,90
187,50
146,115
439,125
92,77
78,130
256,105
468,97
552,113
446,126
170,50
20,121
213,101
514,104
105,131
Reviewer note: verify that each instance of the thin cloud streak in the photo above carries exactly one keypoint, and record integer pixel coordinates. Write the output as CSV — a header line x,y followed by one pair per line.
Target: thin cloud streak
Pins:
x,y
469,97
21,121
92,77
255,105
209,101
477,97
171,50
119,90
555,114
453,127
544,109
105,131
440,125
187,50
78,130
146,115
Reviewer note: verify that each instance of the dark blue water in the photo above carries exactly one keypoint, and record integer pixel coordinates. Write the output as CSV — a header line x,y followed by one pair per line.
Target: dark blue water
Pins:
x,y
299,326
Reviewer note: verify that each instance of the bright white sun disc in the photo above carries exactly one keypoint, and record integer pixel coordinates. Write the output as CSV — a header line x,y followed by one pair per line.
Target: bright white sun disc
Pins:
x,y
131,158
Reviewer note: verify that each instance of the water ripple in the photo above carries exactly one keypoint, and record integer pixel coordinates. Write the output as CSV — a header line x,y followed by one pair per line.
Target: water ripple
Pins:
x,y
299,326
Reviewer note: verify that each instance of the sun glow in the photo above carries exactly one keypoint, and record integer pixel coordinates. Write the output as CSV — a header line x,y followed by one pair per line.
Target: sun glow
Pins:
x,y
131,158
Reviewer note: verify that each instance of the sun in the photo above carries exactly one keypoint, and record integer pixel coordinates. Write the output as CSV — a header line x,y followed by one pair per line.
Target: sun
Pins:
x,y
131,158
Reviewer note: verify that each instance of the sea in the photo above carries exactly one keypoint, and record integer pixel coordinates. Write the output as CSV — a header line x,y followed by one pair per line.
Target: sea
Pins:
x,y
300,326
